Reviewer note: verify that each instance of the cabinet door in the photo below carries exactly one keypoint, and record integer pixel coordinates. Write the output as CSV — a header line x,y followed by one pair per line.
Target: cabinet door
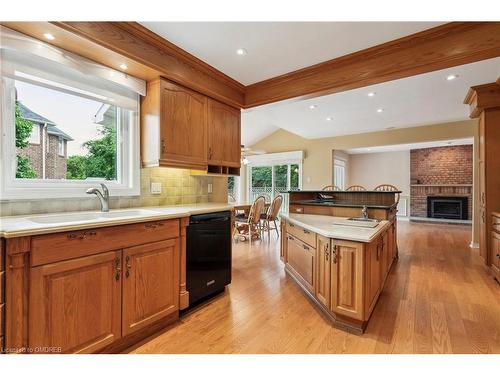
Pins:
x,y
224,140
347,278
150,283
75,305
384,256
301,261
373,278
323,266
495,253
183,127
483,232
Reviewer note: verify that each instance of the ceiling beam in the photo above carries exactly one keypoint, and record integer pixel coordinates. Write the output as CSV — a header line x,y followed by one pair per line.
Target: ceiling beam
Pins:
x,y
135,42
441,47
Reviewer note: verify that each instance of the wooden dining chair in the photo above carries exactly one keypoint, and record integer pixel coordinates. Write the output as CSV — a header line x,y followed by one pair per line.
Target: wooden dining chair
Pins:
x,y
356,188
388,187
250,226
271,215
331,188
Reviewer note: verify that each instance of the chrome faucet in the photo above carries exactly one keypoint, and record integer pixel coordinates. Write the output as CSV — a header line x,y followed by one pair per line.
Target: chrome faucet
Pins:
x,y
364,211
103,197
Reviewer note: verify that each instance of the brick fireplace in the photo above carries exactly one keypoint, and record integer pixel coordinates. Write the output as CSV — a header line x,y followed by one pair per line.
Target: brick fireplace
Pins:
x,y
441,178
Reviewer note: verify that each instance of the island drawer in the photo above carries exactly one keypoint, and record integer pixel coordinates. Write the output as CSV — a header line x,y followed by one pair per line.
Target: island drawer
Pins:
x,y
50,248
295,209
302,234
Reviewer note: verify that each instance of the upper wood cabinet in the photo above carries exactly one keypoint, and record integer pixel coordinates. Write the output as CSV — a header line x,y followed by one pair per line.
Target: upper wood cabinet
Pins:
x,y
75,305
185,129
173,126
150,283
224,136
347,278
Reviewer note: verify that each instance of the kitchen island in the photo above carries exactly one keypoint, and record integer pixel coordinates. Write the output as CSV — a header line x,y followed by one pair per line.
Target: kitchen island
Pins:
x,y
340,263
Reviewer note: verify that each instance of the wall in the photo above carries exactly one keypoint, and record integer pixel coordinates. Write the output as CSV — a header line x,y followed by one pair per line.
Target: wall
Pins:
x,y
372,169
178,187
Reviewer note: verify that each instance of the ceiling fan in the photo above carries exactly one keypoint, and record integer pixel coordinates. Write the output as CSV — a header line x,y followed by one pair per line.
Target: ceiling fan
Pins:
x,y
248,151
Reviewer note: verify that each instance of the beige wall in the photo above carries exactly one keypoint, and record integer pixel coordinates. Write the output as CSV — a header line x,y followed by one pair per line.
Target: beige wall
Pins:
x,y
317,167
372,169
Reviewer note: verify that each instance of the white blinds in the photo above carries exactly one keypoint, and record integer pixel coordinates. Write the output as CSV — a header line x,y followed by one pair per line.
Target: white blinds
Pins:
x,y
27,59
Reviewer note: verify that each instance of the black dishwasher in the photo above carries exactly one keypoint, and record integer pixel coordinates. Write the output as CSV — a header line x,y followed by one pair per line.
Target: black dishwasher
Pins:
x,y
208,255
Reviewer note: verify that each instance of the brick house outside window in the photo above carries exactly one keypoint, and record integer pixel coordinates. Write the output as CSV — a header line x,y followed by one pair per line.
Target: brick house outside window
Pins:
x,y
47,149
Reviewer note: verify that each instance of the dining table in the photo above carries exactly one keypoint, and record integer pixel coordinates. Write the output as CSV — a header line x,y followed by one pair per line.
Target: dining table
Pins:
x,y
245,207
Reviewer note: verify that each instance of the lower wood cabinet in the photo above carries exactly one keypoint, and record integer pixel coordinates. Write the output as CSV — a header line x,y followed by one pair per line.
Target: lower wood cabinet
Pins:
x,y
301,261
75,305
495,254
347,278
323,271
150,284
373,280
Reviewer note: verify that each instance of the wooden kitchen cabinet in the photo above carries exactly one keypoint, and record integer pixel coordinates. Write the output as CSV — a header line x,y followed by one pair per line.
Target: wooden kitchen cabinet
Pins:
x,y
150,283
301,261
224,138
495,246
323,268
173,126
347,278
75,305
373,282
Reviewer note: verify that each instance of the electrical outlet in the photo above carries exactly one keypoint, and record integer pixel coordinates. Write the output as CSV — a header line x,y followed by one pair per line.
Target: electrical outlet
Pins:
x,y
209,188
155,187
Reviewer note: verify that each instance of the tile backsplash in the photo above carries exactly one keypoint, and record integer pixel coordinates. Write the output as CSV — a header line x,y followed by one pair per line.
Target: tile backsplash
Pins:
x,y
178,186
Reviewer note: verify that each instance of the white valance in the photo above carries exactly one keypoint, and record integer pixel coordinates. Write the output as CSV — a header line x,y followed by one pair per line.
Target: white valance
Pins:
x,y
27,59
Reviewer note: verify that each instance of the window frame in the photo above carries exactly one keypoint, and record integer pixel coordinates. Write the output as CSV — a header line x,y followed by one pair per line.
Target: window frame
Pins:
x,y
36,126
60,146
342,165
12,188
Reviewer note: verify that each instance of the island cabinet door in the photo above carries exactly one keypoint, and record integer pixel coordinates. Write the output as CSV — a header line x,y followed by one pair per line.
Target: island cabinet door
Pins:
x,y
150,283
347,278
75,305
372,272
301,262
323,274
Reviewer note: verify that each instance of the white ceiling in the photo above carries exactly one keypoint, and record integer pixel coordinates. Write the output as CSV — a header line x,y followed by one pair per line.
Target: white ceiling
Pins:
x,y
410,146
419,100
275,48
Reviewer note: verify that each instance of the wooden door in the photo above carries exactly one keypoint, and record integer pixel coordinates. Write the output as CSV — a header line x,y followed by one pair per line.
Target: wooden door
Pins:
x,y
150,283
224,139
301,262
75,305
373,278
323,266
347,278
183,127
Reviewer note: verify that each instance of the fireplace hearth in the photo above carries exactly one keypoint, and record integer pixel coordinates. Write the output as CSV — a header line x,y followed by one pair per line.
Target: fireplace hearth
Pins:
x,y
453,208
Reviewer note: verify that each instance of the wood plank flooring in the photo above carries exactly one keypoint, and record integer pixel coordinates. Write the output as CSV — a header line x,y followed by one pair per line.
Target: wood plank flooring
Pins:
x,y
437,299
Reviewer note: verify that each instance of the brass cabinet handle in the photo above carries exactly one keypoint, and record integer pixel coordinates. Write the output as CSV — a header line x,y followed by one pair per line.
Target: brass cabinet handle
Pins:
x,y
334,253
163,146
306,231
153,225
81,235
291,225
291,238
128,266
327,252
483,216
306,247
118,269
483,197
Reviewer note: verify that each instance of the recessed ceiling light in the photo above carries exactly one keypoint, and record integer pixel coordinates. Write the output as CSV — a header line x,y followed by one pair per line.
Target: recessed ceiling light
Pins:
x,y
329,119
312,106
124,66
241,52
451,77
370,94
49,36
380,110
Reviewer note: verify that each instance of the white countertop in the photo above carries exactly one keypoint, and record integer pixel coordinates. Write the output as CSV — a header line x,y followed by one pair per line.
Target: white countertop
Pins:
x,y
18,226
335,227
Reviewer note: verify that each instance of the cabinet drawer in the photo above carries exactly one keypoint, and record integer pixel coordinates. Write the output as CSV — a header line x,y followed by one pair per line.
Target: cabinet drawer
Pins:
x,y
56,247
495,222
301,261
302,234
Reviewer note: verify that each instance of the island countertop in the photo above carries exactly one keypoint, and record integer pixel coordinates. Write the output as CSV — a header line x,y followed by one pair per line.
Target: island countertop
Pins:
x,y
335,227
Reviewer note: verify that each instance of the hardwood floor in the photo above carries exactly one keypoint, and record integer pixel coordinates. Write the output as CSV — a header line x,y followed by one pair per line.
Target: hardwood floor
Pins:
x,y
437,299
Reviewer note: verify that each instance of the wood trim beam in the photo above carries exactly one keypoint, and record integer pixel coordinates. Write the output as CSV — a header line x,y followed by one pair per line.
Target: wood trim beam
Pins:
x,y
482,97
441,47
134,41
